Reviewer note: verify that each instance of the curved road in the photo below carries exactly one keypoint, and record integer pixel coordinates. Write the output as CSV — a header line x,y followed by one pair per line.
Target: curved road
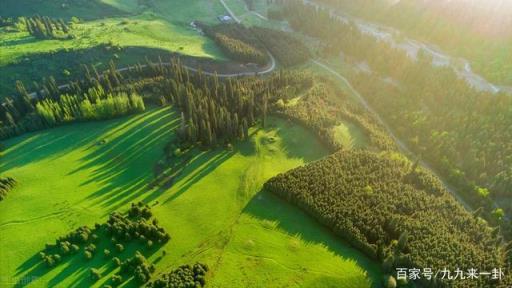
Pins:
x,y
265,70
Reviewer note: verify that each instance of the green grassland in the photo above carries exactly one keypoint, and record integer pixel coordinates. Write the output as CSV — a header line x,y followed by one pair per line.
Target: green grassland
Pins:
x,y
164,25
215,212
350,136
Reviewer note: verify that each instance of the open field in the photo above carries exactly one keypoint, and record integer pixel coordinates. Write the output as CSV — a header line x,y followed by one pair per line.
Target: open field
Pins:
x,y
215,212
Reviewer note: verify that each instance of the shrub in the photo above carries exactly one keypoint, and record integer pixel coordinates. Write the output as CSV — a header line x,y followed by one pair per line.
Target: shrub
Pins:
x,y
95,274
87,254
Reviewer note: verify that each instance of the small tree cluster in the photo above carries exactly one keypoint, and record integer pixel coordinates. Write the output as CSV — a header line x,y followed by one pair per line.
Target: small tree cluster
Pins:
x,y
95,274
46,27
139,210
50,259
6,21
139,267
137,225
186,276
69,108
6,184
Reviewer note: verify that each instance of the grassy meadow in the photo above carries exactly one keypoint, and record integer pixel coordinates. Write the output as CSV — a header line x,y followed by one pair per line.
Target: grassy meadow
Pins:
x,y
215,211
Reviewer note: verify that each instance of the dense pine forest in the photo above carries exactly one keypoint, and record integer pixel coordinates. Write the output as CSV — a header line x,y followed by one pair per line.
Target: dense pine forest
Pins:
x,y
286,48
91,99
222,111
249,45
237,42
395,212
463,132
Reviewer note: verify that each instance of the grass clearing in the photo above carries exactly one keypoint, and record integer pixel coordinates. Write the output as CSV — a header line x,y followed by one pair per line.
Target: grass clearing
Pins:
x,y
215,212
350,136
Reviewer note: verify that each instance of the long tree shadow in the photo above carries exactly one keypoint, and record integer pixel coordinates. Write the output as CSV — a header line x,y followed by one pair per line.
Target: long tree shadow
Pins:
x,y
199,167
120,164
293,221
50,144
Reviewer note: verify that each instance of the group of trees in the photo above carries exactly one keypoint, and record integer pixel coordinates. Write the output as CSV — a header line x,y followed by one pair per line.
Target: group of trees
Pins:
x,y
317,111
287,49
216,111
396,213
97,96
185,276
96,104
46,27
70,244
138,224
463,132
237,42
139,267
6,184
69,108
249,44
6,21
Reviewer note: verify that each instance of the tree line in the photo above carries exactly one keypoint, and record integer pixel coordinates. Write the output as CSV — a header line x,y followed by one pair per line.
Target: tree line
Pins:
x,y
237,42
249,44
46,27
97,96
397,213
287,49
213,110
